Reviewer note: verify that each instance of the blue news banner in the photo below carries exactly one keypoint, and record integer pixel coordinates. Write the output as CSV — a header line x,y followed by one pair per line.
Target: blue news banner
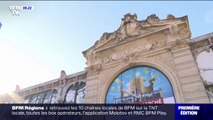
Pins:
x,y
106,112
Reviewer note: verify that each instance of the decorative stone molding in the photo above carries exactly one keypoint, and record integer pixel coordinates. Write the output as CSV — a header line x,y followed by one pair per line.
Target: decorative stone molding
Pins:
x,y
94,68
197,51
128,18
63,78
127,53
132,29
184,32
200,44
152,19
174,31
170,17
158,44
179,44
104,37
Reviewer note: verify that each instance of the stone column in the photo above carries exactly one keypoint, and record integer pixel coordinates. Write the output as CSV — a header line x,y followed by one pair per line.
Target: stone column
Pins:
x,y
187,71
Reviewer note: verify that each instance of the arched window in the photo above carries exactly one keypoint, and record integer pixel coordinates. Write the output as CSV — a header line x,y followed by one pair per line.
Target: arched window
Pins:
x,y
143,84
54,96
27,99
205,65
76,93
49,96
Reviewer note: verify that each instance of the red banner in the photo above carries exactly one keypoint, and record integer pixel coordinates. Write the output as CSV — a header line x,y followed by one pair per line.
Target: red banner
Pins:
x,y
152,101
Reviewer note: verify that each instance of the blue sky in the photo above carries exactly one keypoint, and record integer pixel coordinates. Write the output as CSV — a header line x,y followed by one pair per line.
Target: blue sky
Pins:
x,y
38,44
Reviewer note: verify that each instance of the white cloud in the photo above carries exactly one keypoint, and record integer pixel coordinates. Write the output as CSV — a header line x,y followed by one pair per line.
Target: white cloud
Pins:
x,y
18,68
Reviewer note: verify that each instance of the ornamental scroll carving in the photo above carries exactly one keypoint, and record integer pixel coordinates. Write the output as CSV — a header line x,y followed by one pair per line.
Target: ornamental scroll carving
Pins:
x,y
95,68
153,18
174,31
179,45
170,17
130,27
127,53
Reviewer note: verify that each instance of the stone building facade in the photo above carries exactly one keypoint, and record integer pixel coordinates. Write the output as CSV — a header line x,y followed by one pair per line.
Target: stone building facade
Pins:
x,y
143,61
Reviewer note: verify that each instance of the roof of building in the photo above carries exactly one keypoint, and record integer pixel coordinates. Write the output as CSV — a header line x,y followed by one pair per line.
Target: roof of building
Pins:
x,y
150,21
54,80
202,37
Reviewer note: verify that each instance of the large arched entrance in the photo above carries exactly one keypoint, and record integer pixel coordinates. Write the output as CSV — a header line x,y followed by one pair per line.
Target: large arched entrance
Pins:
x,y
141,84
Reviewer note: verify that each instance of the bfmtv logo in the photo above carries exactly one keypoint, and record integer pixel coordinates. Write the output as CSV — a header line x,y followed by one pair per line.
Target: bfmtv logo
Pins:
x,y
16,9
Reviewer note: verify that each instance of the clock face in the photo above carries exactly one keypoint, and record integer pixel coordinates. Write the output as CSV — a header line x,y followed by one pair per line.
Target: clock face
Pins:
x,y
143,84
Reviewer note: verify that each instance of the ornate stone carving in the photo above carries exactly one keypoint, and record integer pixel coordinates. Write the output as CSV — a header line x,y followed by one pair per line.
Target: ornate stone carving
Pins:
x,y
91,58
129,27
95,68
152,19
170,17
131,59
158,44
197,51
128,18
174,31
62,79
126,54
105,36
179,45
184,32
62,83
